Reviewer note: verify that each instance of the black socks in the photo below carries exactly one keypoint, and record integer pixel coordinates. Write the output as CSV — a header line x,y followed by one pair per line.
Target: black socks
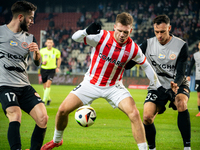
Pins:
x,y
37,138
185,127
150,135
14,135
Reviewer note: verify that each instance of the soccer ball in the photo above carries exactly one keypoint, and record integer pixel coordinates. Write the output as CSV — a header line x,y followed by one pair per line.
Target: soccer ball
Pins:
x,y
85,116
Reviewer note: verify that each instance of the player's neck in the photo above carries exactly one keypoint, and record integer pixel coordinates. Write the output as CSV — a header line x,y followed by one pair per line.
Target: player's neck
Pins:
x,y
14,26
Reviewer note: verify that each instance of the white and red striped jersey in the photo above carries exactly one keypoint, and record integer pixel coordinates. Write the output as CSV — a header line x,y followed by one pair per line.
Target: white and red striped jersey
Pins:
x,y
108,58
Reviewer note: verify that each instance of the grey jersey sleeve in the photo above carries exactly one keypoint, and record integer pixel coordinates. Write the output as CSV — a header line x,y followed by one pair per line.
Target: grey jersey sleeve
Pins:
x,y
181,64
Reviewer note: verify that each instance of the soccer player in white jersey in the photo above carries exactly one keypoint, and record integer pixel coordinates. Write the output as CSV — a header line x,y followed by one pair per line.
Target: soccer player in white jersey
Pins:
x,y
16,92
196,60
167,55
112,50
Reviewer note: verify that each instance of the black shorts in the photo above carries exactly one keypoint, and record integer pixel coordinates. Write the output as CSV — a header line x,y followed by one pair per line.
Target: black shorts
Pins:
x,y
197,85
47,74
153,97
24,97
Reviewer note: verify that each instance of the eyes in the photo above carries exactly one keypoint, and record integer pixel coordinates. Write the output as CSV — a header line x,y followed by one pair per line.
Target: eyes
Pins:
x,y
159,32
125,32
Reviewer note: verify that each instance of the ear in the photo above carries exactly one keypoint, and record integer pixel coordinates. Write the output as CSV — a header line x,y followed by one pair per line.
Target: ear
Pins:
x,y
170,27
45,43
131,30
114,26
20,17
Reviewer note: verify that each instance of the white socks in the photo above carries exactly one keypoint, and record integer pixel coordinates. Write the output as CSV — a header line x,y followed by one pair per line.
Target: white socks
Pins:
x,y
58,135
142,146
187,148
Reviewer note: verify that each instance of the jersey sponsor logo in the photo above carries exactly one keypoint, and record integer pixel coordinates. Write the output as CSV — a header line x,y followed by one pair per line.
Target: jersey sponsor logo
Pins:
x,y
12,43
24,45
11,56
161,56
13,68
172,56
164,66
109,59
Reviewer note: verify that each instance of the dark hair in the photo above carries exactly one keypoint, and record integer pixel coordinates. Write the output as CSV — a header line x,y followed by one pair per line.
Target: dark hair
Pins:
x,y
161,19
22,7
124,18
50,38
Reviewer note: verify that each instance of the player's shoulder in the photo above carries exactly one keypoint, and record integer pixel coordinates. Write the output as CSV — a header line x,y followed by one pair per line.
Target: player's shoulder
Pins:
x,y
152,39
177,39
3,28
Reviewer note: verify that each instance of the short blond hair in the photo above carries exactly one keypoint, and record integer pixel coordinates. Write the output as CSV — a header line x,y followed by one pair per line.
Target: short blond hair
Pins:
x,y
124,18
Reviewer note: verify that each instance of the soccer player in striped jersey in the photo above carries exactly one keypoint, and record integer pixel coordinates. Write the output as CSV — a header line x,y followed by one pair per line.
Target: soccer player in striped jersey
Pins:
x,y
111,52
167,55
196,60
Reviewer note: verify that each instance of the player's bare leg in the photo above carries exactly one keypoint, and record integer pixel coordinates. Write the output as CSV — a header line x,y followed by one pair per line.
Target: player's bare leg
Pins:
x,y
70,103
128,106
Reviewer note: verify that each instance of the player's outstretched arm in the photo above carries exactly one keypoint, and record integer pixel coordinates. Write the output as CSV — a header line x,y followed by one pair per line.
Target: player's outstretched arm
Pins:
x,y
93,28
92,33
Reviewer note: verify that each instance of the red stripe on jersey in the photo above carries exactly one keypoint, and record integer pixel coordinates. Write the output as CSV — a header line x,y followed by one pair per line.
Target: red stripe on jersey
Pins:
x,y
123,60
143,61
110,66
94,59
85,40
135,50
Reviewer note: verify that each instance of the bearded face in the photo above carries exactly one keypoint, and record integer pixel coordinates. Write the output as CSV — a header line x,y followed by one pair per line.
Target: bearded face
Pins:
x,y
23,25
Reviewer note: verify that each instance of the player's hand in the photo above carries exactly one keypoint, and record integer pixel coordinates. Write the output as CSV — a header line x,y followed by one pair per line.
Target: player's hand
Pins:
x,y
33,47
93,28
174,87
188,78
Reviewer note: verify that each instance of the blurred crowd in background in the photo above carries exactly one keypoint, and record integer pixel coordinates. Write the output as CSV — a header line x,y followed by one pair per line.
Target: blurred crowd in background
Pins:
x,y
184,15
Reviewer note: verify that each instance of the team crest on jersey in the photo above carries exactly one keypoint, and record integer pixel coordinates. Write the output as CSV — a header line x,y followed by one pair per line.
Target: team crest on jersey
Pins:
x,y
172,56
126,53
12,43
24,45
161,56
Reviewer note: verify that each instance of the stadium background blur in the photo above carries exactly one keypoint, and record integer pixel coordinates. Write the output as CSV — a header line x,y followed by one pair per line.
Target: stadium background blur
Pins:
x,y
59,19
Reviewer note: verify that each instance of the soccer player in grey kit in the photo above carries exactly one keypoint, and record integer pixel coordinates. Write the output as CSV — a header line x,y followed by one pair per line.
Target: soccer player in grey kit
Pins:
x,y
16,93
167,55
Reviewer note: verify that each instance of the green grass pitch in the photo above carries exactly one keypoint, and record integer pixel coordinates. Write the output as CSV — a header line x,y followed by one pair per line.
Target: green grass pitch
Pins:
x,y
111,130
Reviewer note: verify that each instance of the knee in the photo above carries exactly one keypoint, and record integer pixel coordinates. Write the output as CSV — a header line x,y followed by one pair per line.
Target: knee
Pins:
x,y
14,114
147,119
62,111
42,121
181,103
134,115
